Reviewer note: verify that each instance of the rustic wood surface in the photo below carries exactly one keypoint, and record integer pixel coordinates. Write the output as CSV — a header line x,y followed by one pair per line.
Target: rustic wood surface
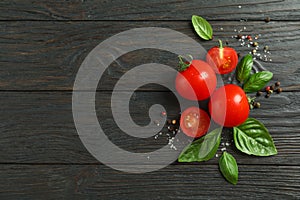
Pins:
x,y
42,45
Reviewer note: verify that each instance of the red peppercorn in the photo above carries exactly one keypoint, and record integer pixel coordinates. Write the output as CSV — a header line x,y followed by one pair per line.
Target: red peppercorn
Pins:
x,y
268,88
249,37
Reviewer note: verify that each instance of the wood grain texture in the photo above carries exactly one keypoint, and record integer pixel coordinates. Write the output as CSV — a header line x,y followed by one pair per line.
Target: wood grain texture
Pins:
x,y
173,182
47,55
149,10
38,127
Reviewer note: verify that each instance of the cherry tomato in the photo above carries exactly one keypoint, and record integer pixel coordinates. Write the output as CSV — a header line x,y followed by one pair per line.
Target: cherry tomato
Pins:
x,y
197,82
222,59
229,106
194,122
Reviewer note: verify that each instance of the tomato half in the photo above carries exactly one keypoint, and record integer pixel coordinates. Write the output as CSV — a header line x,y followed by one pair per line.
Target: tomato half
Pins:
x,y
222,59
194,122
197,82
229,106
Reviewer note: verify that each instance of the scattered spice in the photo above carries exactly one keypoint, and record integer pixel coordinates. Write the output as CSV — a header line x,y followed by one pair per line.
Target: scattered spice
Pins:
x,y
256,105
277,83
259,93
267,19
279,90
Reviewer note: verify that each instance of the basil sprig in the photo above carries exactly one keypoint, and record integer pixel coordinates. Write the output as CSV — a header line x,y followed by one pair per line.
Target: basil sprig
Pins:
x,y
202,27
253,138
229,168
243,68
257,81
202,149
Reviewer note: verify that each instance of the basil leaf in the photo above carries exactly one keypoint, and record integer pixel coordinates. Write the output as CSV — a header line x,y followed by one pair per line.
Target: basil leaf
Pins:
x,y
253,138
210,145
229,168
257,81
202,149
202,27
244,68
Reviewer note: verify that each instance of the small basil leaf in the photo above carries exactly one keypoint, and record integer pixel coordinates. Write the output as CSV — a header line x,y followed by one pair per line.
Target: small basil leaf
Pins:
x,y
244,68
257,81
202,27
253,138
191,152
229,168
202,149
210,145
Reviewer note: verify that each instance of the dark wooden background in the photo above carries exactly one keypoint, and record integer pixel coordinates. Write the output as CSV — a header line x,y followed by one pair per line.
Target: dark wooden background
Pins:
x,y
42,44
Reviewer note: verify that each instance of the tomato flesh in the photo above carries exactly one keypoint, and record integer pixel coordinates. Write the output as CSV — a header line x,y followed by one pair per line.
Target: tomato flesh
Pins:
x,y
194,122
229,106
223,60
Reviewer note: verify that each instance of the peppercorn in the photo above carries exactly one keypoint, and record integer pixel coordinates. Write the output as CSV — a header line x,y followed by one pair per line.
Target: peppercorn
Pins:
x,y
267,19
268,95
256,105
249,37
270,91
279,90
267,88
173,121
169,121
259,93
266,48
171,128
239,36
255,44
272,87
277,83
254,51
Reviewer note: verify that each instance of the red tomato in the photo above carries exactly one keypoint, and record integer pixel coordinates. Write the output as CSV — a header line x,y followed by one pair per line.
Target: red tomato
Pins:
x,y
222,59
197,82
194,122
229,106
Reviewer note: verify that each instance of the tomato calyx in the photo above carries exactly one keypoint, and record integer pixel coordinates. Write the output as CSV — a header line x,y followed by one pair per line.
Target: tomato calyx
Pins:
x,y
183,65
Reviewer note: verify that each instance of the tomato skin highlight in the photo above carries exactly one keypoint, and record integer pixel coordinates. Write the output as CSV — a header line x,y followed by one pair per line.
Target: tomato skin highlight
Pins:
x,y
222,59
229,106
194,122
197,82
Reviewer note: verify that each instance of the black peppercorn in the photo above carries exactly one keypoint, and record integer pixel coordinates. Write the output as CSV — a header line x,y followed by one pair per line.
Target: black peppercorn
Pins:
x,y
279,90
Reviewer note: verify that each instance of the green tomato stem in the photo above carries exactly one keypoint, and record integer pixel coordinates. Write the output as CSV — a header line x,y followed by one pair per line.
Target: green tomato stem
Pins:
x,y
220,44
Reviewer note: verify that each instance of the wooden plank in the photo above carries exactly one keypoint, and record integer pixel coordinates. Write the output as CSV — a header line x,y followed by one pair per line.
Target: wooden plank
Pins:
x,y
38,127
47,55
173,182
149,10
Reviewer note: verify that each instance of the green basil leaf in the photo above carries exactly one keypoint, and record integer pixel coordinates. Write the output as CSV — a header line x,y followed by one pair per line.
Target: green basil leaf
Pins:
x,y
244,68
210,145
202,27
229,168
257,81
202,149
253,138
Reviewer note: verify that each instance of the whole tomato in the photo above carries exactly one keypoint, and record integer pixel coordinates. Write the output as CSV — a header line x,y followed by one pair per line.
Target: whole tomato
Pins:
x,y
228,106
194,122
222,59
197,81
